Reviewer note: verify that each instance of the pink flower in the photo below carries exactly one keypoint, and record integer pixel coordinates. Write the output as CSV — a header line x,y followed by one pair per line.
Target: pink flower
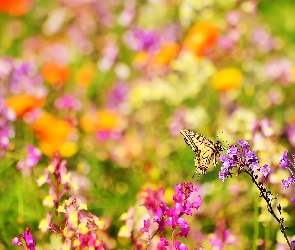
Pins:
x,y
221,238
67,102
31,160
279,70
27,237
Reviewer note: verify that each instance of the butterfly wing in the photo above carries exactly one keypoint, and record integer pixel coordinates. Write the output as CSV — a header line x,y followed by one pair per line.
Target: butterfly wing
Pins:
x,y
203,148
203,158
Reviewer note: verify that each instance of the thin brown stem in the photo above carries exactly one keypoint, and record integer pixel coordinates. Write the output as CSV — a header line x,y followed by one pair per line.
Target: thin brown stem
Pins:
x,y
263,194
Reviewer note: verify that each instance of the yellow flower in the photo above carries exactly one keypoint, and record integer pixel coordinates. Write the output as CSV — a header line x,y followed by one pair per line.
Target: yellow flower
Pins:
x,y
226,79
61,209
48,201
82,228
44,223
124,232
42,179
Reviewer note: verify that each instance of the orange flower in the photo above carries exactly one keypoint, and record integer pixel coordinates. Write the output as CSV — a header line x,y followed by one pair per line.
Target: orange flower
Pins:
x,y
226,79
55,74
15,7
85,75
54,135
104,120
22,104
166,53
201,38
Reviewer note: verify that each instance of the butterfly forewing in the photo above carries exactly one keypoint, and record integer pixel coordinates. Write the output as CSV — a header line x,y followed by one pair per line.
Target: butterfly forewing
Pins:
x,y
205,150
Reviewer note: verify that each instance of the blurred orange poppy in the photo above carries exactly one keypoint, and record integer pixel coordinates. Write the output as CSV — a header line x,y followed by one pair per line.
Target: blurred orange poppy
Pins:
x,y
166,53
55,73
54,135
201,38
103,120
85,75
15,7
22,104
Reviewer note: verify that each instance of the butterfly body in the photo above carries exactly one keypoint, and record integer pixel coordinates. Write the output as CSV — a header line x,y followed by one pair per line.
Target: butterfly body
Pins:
x,y
206,150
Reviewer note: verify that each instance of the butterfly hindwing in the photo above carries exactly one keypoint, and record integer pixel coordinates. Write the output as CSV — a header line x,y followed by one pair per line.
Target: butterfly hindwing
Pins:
x,y
206,150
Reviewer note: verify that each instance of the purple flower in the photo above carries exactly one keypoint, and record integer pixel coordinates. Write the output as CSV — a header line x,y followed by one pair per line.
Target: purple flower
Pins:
x,y
138,40
284,161
184,227
22,77
31,160
146,226
27,237
265,170
117,95
6,129
287,182
239,157
251,160
244,144
163,243
180,246
68,102
293,201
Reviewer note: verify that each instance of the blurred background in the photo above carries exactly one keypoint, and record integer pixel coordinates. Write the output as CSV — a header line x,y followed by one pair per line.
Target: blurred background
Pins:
x,y
109,84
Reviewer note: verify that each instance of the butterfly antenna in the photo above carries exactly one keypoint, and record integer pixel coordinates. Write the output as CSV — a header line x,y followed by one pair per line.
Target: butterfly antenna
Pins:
x,y
194,174
196,171
218,138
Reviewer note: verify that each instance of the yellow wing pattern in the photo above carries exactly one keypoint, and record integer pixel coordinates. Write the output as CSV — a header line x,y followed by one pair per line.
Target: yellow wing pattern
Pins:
x,y
205,150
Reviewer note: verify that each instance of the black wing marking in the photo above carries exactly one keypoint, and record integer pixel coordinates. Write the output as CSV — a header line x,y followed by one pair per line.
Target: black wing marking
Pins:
x,y
206,150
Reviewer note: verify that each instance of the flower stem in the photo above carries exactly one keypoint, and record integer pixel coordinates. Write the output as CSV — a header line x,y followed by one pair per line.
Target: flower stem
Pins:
x,y
265,195
267,236
256,223
173,238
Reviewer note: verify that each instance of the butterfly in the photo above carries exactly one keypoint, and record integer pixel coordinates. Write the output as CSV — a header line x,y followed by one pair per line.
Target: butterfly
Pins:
x,y
205,150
